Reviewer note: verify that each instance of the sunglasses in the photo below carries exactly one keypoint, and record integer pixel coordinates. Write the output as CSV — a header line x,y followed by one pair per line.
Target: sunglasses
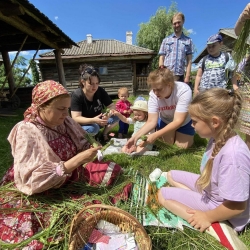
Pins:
x,y
90,71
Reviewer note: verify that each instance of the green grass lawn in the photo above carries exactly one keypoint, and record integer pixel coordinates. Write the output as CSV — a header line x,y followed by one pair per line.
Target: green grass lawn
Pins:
x,y
171,158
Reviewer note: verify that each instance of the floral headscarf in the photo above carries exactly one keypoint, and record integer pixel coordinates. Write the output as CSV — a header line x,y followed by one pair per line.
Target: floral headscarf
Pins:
x,y
43,92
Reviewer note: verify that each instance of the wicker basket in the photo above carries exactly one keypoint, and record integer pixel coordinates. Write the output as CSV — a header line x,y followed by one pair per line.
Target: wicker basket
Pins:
x,y
84,222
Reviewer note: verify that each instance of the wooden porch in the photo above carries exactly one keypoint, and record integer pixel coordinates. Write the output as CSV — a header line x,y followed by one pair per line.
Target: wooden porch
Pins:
x,y
141,84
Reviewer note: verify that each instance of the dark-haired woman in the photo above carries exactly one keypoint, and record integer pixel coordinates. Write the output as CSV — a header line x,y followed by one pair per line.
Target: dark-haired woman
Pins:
x,y
89,100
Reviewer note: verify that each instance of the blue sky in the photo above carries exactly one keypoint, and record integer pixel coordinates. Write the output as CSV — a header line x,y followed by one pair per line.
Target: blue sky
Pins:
x,y
111,19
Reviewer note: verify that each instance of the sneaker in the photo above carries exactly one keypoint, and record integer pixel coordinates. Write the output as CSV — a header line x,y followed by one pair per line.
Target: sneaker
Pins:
x,y
226,235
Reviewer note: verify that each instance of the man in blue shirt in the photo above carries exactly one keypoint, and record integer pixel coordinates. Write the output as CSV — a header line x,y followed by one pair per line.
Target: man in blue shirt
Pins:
x,y
176,51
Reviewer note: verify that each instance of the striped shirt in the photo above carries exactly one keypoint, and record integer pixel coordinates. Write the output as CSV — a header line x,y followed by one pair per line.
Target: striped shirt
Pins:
x,y
175,51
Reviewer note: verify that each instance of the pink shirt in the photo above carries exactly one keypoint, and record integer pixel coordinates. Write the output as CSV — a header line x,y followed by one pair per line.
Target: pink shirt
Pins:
x,y
36,165
121,106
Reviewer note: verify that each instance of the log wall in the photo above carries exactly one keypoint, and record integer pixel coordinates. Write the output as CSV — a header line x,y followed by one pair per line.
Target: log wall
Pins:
x,y
119,74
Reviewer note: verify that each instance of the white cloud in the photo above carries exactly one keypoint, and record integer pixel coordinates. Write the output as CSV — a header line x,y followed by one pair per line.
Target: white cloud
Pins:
x,y
191,31
22,53
56,17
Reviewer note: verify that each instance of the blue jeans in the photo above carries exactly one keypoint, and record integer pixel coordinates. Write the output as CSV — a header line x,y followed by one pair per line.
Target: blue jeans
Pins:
x,y
94,128
123,127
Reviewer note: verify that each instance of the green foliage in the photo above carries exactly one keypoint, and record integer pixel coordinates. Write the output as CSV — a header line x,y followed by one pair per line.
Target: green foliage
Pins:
x,y
153,32
159,26
34,72
18,72
63,208
2,74
241,45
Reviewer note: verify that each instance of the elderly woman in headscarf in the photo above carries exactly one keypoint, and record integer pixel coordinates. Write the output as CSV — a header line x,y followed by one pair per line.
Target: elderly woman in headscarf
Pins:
x,y
49,149
48,146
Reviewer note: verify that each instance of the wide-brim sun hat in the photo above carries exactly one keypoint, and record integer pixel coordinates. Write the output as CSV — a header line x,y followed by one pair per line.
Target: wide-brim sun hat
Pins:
x,y
140,105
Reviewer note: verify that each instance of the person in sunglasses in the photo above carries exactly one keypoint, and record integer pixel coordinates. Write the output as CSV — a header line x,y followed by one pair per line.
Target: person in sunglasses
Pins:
x,y
88,102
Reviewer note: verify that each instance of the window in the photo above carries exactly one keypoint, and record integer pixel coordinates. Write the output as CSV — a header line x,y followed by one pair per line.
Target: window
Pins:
x,y
103,70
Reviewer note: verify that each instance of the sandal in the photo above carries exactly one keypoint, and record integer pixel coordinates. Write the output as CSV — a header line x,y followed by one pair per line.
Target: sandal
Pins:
x,y
120,135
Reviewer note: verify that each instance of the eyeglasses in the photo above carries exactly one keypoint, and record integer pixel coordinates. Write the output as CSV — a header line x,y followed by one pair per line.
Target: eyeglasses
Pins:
x,y
90,71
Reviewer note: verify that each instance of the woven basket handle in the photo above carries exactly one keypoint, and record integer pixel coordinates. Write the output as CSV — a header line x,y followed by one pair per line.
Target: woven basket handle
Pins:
x,y
105,207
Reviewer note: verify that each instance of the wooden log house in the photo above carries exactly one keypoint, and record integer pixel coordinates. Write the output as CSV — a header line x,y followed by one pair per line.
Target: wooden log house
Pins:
x,y
119,63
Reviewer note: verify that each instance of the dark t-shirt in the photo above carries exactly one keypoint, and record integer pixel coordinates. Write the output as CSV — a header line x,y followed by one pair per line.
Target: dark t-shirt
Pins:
x,y
80,103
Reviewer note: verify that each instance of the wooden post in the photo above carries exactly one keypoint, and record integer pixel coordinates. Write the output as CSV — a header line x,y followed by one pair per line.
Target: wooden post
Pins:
x,y
7,66
59,66
134,79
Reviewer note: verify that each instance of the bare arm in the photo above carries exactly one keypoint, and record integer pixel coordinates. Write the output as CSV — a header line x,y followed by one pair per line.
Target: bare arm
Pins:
x,y
147,127
111,106
161,60
245,15
197,81
234,82
227,210
178,120
188,71
121,116
77,116
79,159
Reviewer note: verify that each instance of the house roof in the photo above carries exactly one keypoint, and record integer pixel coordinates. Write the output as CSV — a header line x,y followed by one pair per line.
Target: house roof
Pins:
x,y
229,38
19,18
102,47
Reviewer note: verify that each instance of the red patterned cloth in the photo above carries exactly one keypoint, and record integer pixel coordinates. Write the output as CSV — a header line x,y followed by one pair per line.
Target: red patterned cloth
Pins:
x,y
97,236
18,226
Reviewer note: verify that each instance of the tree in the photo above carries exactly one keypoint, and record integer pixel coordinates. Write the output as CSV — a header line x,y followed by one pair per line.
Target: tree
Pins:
x,y
18,72
34,72
152,33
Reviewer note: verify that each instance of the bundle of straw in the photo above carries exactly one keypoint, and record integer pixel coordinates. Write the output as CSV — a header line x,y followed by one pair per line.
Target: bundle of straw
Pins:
x,y
241,46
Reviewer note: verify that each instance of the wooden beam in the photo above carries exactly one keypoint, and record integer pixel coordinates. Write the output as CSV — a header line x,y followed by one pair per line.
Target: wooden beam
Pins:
x,y
11,9
42,23
25,27
134,87
7,66
40,28
59,66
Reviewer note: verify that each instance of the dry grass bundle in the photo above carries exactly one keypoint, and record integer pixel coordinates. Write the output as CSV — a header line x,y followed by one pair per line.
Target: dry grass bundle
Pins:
x,y
241,46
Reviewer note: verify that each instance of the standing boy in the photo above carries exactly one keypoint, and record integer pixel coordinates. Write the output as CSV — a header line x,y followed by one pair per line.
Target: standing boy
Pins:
x,y
214,68
176,51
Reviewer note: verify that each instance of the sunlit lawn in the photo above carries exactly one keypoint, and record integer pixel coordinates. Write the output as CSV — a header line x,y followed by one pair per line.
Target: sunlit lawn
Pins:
x,y
188,160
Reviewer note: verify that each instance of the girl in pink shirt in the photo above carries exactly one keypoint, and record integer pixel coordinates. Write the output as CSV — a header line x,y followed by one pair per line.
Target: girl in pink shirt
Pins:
x,y
217,200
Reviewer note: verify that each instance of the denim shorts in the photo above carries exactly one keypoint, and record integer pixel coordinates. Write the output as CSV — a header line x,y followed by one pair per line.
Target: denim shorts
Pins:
x,y
113,119
94,128
186,129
